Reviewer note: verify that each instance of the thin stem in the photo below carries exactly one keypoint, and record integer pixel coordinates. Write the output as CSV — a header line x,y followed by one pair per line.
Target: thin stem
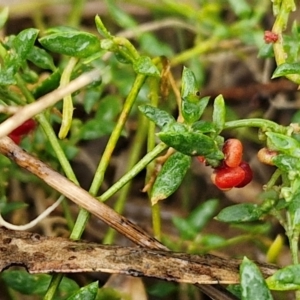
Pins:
x,y
155,209
99,176
133,172
54,283
135,152
256,122
105,159
280,24
76,12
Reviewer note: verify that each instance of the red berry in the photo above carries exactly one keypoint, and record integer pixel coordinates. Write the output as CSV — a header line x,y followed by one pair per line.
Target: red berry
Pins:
x,y
233,152
25,128
248,174
15,138
227,178
270,37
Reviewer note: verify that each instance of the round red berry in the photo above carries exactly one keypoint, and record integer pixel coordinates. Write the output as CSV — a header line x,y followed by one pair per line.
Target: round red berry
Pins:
x,y
25,128
226,178
248,174
15,138
233,152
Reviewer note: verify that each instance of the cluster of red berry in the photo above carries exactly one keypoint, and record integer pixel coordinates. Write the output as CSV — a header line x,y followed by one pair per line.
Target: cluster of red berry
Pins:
x,y
17,134
233,171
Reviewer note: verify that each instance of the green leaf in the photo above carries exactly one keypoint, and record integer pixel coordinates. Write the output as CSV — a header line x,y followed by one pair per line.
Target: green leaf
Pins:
x,y
170,176
47,85
88,292
283,143
294,209
203,126
104,121
186,231
144,65
253,285
29,284
191,143
193,110
286,163
189,85
286,279
241,8
6,208
41,58
219,113
266,51
102,29
123,19
286,69
244,212
72,43
24,41
160,117
200,216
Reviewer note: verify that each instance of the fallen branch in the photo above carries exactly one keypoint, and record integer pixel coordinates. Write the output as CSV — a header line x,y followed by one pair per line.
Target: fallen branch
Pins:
x,y
40,254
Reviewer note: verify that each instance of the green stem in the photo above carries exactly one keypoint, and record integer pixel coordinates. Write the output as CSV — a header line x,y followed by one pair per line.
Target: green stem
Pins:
x,y
280,24
200,48
133,172
99,176
135,152
55,281
265,125
76,12
156,218
105,159
273,179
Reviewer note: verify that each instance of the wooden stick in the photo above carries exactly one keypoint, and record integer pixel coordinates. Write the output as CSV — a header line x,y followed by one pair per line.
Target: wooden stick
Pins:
x,y
54,254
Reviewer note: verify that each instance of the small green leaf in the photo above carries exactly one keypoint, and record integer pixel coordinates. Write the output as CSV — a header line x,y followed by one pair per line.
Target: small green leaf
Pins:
x,y
286,279
244,212
202,214
203,126
102,29
72,43
266,51
241,8
283,143
6,208
88,292
286,69
144,65
170,176
185,230
219,113
253,285
188,85
41,58
160,117
190,143
193,110
47,85
29,284
286,163
24,41
294,209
